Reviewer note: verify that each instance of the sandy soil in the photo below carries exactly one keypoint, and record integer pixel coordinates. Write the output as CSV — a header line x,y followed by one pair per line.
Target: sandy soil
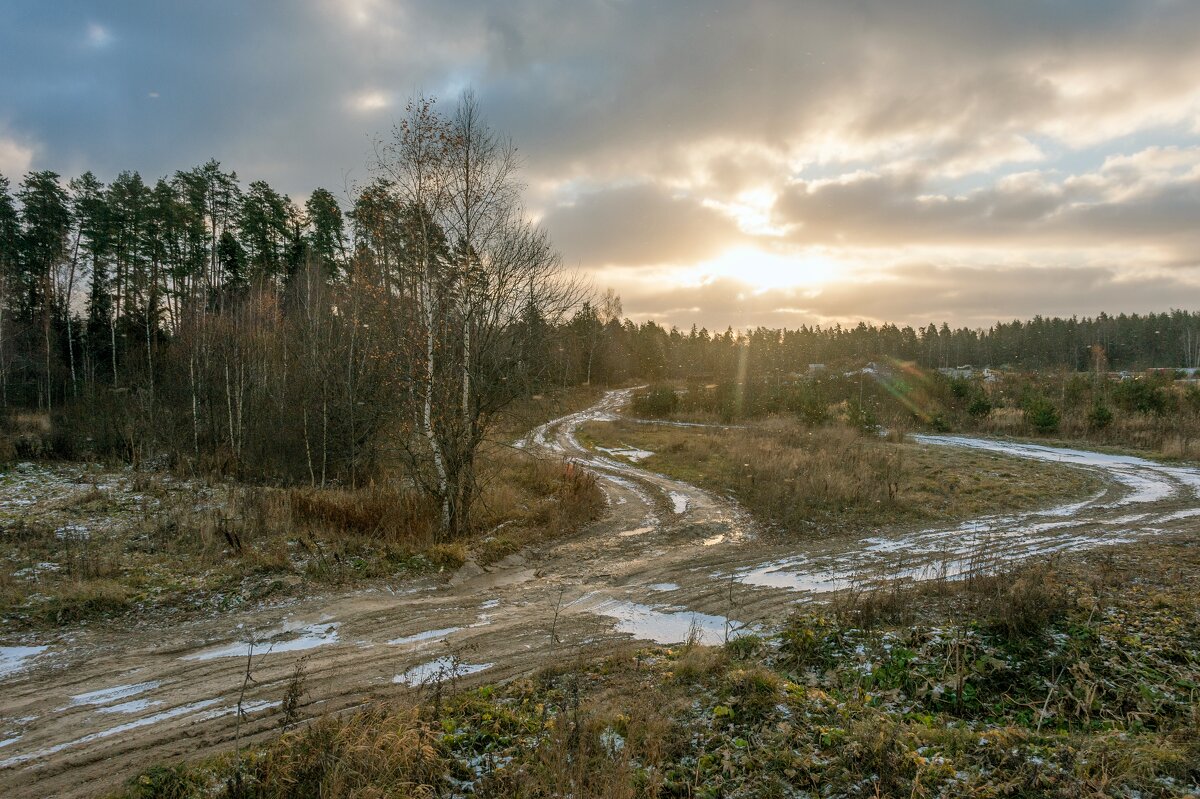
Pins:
x,y
83,710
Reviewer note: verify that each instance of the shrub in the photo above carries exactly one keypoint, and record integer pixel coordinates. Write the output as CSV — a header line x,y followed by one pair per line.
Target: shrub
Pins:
x,y
659,401
1041,414
979,406
1140,396
1099,417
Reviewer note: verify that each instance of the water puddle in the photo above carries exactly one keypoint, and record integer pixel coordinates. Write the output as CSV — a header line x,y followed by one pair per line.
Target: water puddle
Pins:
x,y
668,627
13,658
439,670
635,531
165,715
679,501
428,635
310,636
130,707
663,587
108,695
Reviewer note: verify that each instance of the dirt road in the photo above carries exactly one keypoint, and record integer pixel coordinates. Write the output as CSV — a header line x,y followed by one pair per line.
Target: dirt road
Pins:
x,y
82,711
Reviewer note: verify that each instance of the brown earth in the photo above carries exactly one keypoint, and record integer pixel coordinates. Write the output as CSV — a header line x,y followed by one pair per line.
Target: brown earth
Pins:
x,y
100,703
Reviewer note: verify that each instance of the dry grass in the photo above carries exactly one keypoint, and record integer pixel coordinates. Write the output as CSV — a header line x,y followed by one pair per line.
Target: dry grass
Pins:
x,y
528,500
801,478
167,545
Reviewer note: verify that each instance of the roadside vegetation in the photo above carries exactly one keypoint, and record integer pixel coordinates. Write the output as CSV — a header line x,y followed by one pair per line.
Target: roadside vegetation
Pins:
x,y
1157,413
1076,677
803,479
85,542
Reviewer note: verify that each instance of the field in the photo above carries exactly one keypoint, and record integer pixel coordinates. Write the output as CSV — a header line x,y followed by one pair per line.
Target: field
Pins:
x,y
819,481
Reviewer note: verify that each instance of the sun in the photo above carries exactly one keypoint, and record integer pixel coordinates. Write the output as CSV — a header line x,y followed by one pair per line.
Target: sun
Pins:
x,y
766,271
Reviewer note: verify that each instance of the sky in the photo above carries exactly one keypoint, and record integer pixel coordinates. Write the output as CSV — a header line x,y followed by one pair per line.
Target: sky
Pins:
x,y
720,163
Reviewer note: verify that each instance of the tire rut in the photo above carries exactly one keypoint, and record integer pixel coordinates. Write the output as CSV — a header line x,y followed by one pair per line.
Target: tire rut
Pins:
x,y
666,557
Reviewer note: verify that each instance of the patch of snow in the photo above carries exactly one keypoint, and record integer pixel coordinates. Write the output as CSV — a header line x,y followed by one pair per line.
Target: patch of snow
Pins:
x,y
632,453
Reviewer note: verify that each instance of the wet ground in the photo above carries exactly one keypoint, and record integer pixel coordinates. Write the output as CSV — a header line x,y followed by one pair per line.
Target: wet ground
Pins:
x,y
84,709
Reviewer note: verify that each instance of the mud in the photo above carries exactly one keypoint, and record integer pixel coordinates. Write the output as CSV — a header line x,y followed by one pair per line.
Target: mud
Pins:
x,y
86,708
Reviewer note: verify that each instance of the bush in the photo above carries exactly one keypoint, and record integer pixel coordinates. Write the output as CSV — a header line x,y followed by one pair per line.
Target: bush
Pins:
x,y
979,406
1041,414
1140,396
660,401
1099,417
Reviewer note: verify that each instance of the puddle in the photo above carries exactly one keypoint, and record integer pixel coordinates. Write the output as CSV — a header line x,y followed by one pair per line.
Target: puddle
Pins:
x,y
310,636
662,587
491,603
165,715
444,668
133,706
8,741
247,709
428,635
635,531
679,501
13,658
668,627
107,695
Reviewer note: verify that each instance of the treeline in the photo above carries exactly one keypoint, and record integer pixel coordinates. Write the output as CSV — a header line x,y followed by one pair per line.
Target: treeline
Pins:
x,y
613,350
231,330
234,331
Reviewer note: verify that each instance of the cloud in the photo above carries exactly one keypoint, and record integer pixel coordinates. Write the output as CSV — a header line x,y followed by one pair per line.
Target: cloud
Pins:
x,y
916,294
1141,199
98,36
656,136
638,225
16,157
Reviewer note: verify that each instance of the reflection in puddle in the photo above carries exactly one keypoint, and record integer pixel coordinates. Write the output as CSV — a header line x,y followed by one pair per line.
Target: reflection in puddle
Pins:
x,y
669,627
310,636
444,668
12,658
428,635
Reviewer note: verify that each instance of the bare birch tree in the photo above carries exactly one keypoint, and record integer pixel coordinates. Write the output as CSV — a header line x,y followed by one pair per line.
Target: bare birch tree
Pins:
x,y
476,273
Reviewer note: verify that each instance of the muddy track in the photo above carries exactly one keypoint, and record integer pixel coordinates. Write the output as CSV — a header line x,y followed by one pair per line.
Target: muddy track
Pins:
x,y
97,704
